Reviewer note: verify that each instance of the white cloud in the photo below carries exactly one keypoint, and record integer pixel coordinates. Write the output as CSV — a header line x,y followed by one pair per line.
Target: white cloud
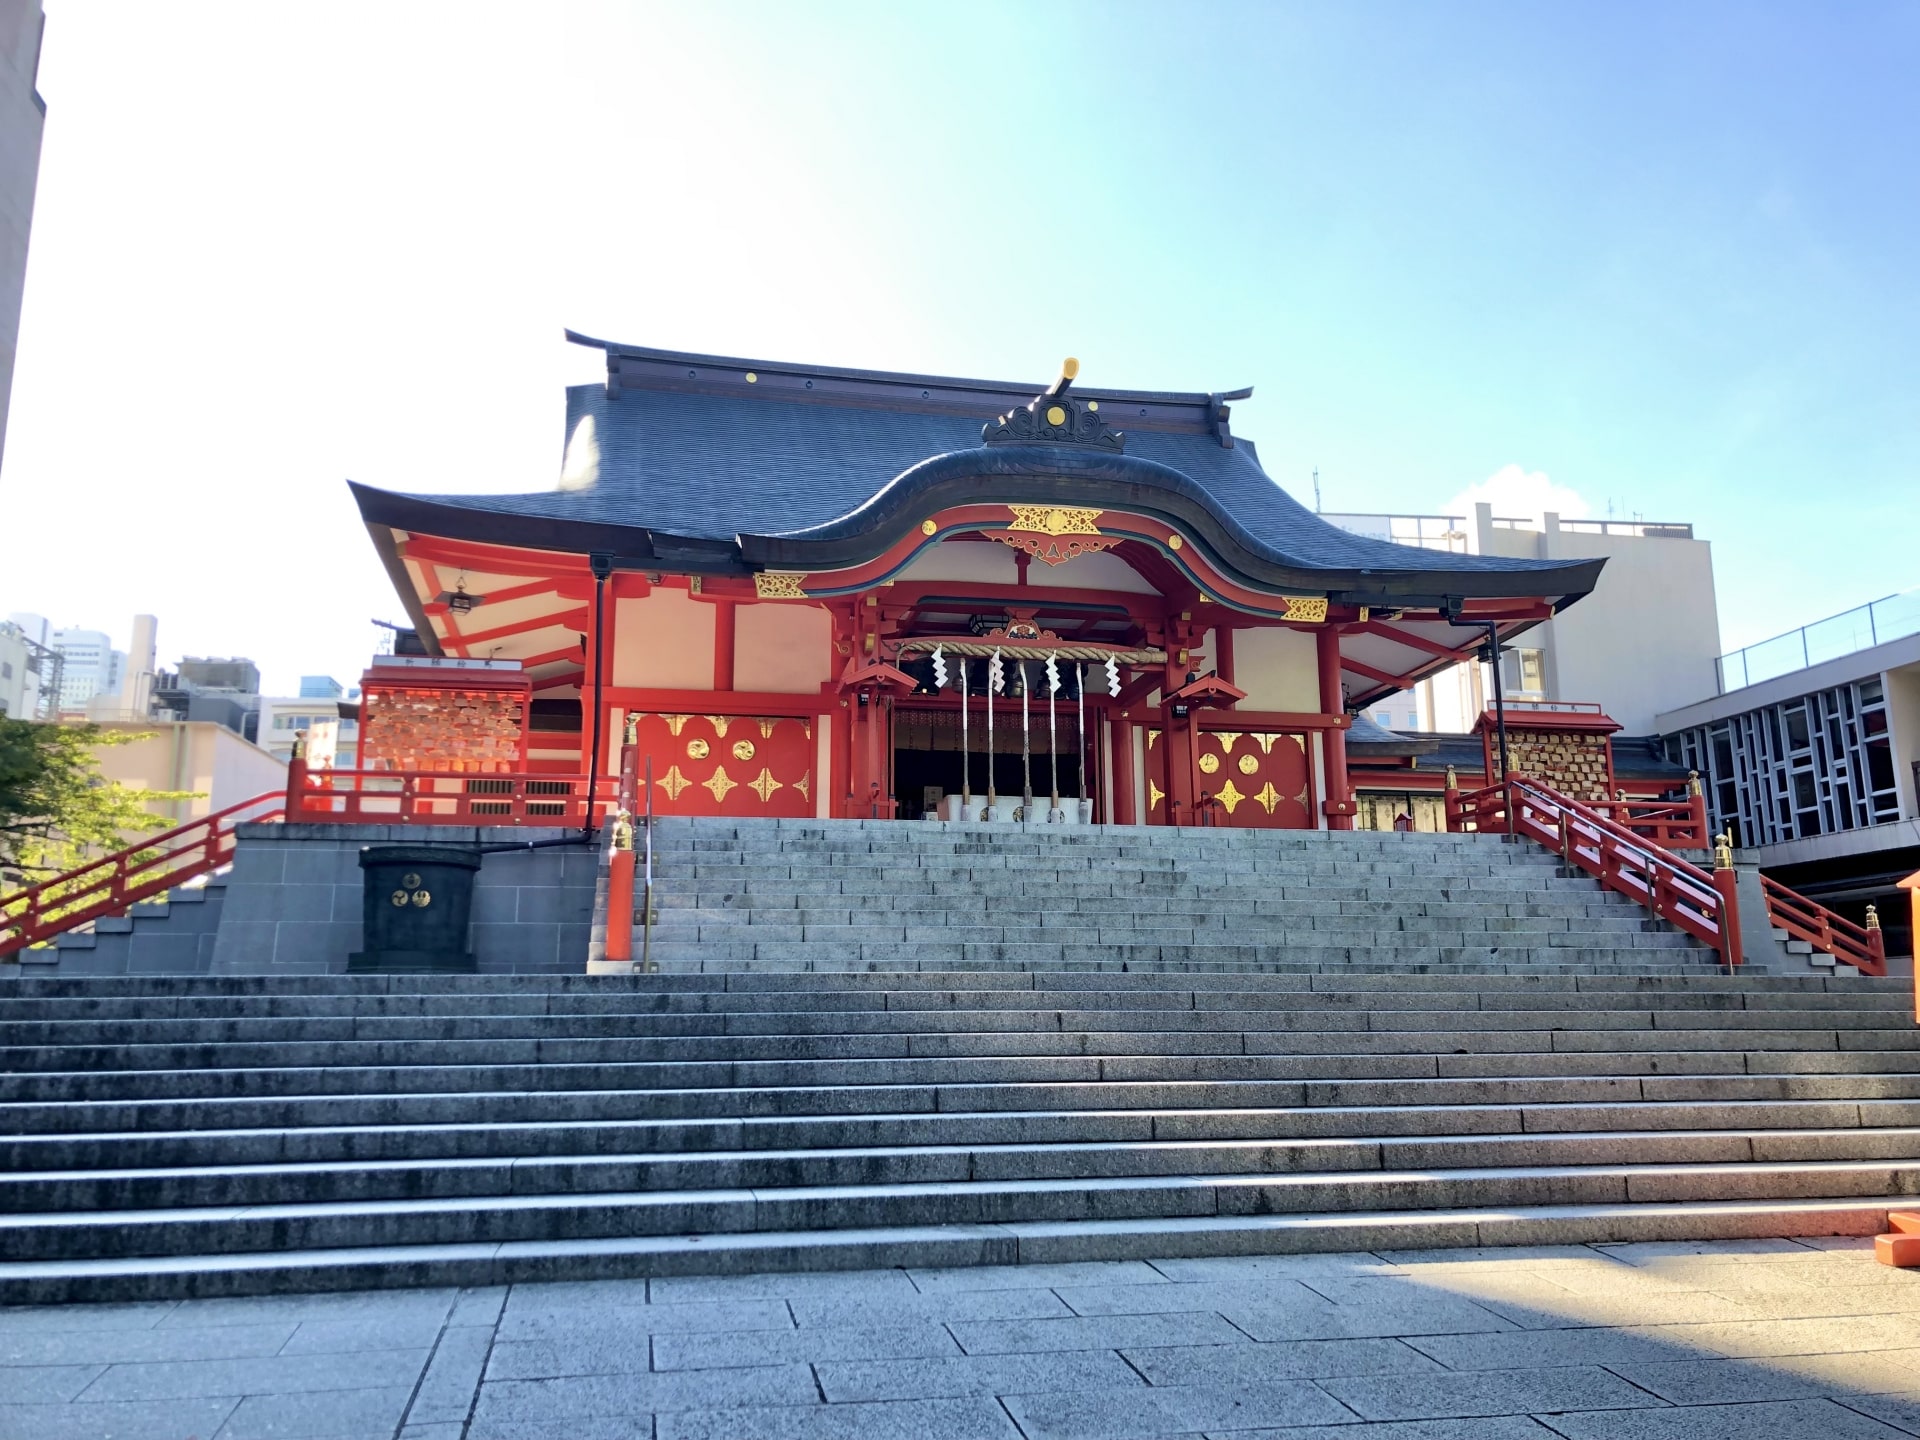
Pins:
x,y
1520,494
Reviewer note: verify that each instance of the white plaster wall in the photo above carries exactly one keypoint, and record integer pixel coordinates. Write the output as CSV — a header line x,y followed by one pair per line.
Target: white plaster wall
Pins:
x,y
1645,640
1903,718
663,641
823,767
1278,668
996,564
194,755
781,649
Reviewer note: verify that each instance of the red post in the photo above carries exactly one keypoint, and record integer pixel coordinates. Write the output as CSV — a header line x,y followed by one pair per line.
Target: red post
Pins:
x,y
620,906
1339,805
1120,758
296,786
1725,882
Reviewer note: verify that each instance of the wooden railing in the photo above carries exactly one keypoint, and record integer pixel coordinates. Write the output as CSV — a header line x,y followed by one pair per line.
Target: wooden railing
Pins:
x,y
114,883
1861,946
395,797
1672,824
1701,903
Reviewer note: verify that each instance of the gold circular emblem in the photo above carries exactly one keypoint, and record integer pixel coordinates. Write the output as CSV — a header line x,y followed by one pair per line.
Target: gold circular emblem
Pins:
x,y
927,527
1248,764
1174,542
410,880
1056,415
421,899
1209,764
1094,405
697,749
743,749
399,899
752,378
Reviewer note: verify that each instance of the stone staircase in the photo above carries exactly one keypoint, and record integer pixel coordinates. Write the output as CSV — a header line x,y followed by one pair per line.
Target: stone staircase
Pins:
x,y
186,1136
891,896
173,935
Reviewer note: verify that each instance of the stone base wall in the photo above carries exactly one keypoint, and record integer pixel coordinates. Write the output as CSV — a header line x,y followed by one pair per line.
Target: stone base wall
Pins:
x,y
293,899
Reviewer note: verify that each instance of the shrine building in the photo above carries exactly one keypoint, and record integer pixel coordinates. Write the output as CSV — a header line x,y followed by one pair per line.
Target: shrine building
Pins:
x,y
846,593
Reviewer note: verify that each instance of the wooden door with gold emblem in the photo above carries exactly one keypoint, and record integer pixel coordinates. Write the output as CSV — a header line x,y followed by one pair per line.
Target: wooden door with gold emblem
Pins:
x,y
1262,780
739,765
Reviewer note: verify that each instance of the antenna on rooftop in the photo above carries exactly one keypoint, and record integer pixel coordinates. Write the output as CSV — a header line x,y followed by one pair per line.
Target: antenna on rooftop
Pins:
x,y
1316,489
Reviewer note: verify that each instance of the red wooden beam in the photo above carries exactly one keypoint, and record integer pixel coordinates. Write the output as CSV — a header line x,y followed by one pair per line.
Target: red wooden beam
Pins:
x,y
495,559
1399,682
1418,642
563,619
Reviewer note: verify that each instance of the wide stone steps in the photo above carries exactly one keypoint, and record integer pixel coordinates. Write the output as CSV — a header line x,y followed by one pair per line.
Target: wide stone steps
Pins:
x,y
811,896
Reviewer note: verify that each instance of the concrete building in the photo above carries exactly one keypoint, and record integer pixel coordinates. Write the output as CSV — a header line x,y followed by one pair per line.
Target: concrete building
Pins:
x,y
284,718
19,674
1643,642
23,116
218,765
1816,767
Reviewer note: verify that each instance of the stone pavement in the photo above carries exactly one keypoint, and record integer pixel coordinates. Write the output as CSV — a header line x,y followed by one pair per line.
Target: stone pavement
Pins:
x,y
1717,1340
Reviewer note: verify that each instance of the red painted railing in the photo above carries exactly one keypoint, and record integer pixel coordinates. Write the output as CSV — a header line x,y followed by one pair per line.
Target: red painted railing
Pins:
x,y
113,883
1703,903
1672,824
1861,946
394,797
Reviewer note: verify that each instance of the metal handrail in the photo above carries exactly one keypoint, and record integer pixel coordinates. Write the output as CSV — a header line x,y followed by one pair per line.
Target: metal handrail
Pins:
x,y
646,922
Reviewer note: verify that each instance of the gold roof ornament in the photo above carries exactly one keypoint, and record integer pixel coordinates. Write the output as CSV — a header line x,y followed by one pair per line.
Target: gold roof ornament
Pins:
x,y
1723,850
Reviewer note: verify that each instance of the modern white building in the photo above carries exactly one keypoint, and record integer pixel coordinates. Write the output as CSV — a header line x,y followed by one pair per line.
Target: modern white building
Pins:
x,y
19,674
1811,755
1643,642
23,116
284,718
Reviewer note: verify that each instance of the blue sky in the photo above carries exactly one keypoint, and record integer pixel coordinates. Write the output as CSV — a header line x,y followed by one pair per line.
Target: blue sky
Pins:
x,y
1661,255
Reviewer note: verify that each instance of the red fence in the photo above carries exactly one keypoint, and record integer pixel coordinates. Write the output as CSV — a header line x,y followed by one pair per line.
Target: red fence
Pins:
x,y
392,797
113,883
1702,903
1861,946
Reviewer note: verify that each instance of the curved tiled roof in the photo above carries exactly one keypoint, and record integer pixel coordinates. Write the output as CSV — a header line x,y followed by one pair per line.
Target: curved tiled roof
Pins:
x,y
683,452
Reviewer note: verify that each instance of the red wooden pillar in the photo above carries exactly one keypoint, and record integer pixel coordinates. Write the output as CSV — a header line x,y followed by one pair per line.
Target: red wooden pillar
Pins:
x,y
1123,813
1223,653
1177,735
1339,805
723,635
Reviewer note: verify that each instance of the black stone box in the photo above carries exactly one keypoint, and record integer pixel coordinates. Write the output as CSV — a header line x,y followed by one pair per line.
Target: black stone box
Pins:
x,y
416,900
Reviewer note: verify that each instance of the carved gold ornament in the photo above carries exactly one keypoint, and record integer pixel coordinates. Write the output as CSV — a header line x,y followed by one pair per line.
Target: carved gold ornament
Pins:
x,y
421,899
743,749
697,749
1248,764
766,729
927,527
1230,796
1228,739
1154,795
720,783
1268,797
1174,542
802,783
720,724
1054,519
1209,763
1055,550
1152,735
410,880
1311,609
676,723
673,782
765,785
778,585
1056,415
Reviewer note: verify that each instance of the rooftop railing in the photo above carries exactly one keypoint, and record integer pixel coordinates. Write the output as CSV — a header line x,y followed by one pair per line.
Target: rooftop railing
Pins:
x,y
1851,631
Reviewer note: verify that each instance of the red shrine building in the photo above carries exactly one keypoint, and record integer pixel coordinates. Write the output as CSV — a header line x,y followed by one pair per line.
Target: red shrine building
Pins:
x,y
821,592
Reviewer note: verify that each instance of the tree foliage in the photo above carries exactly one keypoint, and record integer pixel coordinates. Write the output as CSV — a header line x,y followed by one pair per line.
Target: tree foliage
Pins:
x,y
55,806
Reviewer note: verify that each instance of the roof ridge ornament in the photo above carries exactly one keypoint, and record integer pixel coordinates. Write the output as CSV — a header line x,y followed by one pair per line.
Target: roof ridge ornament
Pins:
x,y
1055,418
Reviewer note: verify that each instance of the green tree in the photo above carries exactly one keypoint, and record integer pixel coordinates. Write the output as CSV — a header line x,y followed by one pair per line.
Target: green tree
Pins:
x,y
55,806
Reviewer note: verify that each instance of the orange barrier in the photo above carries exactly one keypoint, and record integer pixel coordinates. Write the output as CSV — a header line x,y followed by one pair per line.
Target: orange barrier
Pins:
x,y
1901,1248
